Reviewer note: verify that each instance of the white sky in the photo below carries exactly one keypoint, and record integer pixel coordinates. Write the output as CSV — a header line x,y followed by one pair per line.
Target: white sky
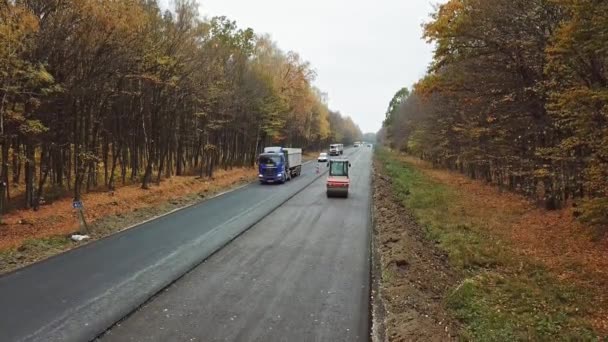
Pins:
x,y
362,50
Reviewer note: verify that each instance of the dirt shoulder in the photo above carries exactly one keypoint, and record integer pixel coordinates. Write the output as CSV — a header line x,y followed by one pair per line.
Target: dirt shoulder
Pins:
x,y
29,236
411,275
503,268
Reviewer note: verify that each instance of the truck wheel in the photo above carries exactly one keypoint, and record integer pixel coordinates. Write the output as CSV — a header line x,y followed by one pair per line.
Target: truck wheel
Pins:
x,y
328,195
262,182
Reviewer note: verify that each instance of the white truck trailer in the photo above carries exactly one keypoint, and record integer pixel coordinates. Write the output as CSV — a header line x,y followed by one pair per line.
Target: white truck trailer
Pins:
x,y
336,149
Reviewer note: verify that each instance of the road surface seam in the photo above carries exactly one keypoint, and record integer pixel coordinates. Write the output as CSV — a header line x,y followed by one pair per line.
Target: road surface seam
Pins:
x,y
58,323
259,252
160,262
151,296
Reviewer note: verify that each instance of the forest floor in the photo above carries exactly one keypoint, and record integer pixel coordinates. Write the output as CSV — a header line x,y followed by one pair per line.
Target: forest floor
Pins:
x,y
27,236
500,267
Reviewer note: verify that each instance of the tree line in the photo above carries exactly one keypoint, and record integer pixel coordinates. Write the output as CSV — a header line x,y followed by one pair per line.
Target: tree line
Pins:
x,y
95,93
517,95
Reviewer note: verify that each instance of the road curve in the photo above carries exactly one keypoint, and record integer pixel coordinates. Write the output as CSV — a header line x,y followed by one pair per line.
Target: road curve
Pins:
x,y
77,295
300,274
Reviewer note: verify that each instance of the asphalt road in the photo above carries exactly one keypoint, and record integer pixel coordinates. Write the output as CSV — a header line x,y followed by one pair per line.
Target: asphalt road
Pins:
x,y
300,274
79,294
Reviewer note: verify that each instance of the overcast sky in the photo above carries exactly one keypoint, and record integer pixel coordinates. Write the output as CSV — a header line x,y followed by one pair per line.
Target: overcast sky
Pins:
x,y
362,51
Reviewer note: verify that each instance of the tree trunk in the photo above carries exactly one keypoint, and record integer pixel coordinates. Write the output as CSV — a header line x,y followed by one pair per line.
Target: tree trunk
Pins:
x,y
115,155
45,167
147,175
5,193
30,172
16,162
160,167
106,152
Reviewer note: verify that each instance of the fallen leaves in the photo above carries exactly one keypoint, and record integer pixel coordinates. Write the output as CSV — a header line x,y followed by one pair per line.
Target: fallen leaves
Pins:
x,y
553,238
58,218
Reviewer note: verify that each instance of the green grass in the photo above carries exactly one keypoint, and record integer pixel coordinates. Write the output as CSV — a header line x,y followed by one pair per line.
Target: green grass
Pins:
x,y
502,297
32,250
54,242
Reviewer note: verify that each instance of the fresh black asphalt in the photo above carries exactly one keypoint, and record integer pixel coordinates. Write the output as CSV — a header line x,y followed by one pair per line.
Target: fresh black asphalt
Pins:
x,y
300,274
77,295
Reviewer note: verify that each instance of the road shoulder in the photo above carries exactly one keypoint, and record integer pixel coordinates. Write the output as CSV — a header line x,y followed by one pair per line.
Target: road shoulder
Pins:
x,y
411,277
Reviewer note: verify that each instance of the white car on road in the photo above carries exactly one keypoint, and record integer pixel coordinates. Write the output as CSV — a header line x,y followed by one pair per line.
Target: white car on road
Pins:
x,y
322,157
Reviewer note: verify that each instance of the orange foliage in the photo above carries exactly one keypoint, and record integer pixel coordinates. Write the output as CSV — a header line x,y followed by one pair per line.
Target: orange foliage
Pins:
x,y
59,218
553,238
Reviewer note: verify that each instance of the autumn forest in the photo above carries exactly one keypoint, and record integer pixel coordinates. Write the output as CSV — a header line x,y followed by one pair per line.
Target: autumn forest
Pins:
x,y
517,95
99,93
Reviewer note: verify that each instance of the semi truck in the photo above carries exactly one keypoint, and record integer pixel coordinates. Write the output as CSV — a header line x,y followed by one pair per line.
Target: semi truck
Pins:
x,y
336,149
279,164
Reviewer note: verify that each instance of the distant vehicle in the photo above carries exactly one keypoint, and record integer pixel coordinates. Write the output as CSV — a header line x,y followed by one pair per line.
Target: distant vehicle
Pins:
x,y
356,144
279,164
322,157
336,149
369,145
337,180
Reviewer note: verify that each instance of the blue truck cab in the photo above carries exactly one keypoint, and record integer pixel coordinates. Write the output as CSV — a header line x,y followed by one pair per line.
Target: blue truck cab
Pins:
x,y
279,164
